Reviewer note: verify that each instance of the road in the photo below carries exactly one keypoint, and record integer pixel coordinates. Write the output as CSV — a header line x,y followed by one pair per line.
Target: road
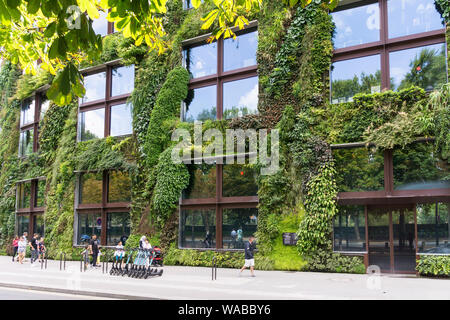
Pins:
x,y
21,294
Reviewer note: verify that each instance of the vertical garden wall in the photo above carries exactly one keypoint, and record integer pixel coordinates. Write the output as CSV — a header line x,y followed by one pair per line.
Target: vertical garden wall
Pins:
x,y
295,50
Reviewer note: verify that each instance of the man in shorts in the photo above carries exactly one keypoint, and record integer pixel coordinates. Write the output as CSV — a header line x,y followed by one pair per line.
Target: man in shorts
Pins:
x,y
250,246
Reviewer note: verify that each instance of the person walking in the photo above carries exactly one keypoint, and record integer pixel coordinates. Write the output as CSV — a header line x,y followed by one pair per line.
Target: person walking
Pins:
x,y
22,248
41,249
94,248
34,248
250,246
233,238
15,245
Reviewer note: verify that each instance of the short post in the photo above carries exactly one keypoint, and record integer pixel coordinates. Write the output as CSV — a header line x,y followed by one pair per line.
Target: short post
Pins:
x,y
46,258
60,260
214,269
64,261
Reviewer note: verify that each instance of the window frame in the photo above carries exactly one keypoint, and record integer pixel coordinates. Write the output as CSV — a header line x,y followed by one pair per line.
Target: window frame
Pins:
x,y
108,101
103,208
385,45
32,211
220,77
218,203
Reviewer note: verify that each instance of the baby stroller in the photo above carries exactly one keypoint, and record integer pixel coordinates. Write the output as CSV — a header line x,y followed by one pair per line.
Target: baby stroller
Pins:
x,y
158,258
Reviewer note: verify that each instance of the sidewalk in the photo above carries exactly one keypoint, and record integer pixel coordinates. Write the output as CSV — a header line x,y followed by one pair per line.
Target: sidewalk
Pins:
x,y
194,283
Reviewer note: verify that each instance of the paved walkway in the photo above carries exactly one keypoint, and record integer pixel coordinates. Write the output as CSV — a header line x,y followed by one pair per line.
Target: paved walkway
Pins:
x,y
195,283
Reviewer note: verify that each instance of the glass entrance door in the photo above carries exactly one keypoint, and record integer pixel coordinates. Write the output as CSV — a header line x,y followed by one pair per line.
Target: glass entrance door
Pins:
x,y
392,239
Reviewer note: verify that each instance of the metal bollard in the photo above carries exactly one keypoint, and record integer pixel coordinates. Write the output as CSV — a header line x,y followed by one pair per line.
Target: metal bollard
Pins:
x,y
214,269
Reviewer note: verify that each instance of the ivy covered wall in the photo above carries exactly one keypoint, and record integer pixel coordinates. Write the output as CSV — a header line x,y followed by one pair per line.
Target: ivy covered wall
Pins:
x,y
294,57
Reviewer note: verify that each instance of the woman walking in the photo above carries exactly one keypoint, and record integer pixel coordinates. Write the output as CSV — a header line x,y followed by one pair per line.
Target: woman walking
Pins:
x,y
22,248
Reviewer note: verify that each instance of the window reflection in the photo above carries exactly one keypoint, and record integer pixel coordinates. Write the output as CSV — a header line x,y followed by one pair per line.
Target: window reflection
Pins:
x,y
349,77
238,225
359,169
23,224
240,98
416,167
26,142
240,52
40,192
201,104
424,67
95,85
45,104
100,25
350,229
433,228
118,228
91,124
119,187
90,188
27,112
357,26
24,195
201,60
239,175
407,17
38,225
122,80
198,228
88,225
121,120
202,182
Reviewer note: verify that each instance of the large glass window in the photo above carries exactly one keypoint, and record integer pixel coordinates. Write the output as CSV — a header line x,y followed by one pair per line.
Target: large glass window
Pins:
x,y
424,67
230,74
433,228
121,120
24,193
27,112
357,26
198,228
91,124
95,85
38,225
240,98
349,77
89,224
118,228
122,80
119,187
26,141
202,182
238,225
359,169
40,193
23,224
372,53
406,17
240,52
239,180
350,229
416,167
201,104
90,188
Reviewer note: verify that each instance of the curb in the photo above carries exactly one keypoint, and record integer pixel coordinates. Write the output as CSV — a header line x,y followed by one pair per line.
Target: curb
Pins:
x,y
77,292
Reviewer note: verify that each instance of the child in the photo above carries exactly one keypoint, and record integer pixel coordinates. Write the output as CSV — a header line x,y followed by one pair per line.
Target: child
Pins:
x,y
119,253
42,249
22,249
85,254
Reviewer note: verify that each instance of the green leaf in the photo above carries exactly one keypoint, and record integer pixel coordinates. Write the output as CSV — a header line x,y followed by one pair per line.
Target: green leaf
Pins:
x,y
33,6
50,30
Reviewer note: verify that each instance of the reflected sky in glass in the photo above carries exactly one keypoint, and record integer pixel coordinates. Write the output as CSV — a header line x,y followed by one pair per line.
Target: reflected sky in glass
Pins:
x,y
95,85
45,104
349,77
100,25
203,104
26,142
122,80
27,112
424,67
241,52
91,124
121,120
357,26
240,98
202,60
407,17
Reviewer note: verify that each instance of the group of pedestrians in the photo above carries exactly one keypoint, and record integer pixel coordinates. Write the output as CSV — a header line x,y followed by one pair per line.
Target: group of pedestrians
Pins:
x,y
36,245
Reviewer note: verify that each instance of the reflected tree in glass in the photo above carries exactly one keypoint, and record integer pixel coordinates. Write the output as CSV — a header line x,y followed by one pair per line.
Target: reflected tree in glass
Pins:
x,y
202,182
